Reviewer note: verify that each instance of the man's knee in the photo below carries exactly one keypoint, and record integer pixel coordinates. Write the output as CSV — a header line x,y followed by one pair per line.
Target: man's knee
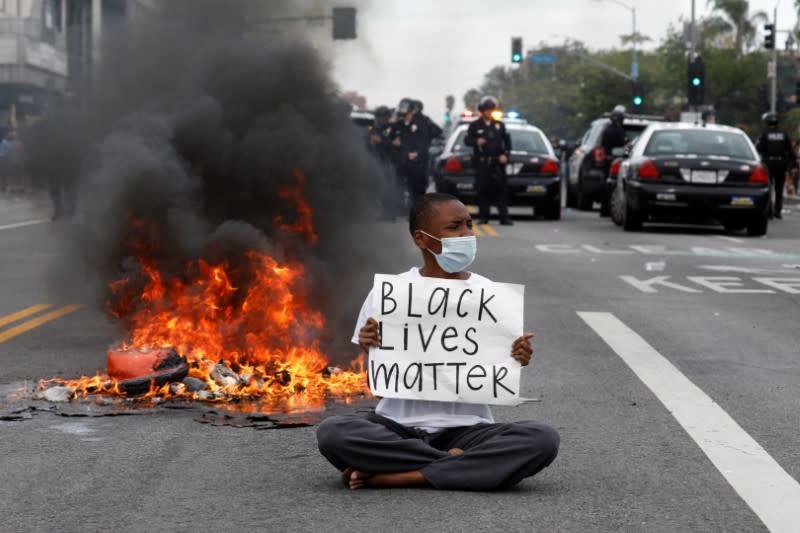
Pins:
x,y
544,440
331,433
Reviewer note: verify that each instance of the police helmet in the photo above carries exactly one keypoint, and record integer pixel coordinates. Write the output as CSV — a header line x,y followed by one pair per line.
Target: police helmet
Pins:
x,y
770,118
417,106
405,106
488,103
618,113
382,112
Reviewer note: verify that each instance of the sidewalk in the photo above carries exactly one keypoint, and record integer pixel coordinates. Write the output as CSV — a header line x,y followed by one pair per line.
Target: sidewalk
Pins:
x,y
791,200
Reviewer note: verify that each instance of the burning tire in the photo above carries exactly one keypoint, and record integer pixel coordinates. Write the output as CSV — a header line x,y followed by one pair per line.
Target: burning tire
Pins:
x,y
137,370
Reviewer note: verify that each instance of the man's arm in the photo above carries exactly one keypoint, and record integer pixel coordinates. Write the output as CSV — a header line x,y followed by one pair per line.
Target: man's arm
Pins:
x,y
761,144
472,135
506,141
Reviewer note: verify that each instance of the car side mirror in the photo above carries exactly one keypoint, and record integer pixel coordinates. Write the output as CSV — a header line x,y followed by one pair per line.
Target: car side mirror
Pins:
x,y
619,152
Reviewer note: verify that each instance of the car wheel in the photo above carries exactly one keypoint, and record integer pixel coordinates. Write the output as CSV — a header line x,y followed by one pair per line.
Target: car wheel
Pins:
x,y
631,218
584,202
617,204
758,226
552,211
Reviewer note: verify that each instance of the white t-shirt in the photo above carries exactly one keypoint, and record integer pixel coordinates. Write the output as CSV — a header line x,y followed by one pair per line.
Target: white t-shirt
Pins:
x,y
426,415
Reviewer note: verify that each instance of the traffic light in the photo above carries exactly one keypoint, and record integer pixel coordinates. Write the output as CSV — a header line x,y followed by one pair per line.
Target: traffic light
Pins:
x,y
769,36
638,95
344,23
516,49
697,83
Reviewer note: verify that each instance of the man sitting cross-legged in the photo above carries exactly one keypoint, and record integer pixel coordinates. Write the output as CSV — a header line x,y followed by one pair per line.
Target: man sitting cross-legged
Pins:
x,y
427,443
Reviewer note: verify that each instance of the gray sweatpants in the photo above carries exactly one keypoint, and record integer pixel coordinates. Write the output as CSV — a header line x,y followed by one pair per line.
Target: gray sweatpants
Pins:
x,y
496,456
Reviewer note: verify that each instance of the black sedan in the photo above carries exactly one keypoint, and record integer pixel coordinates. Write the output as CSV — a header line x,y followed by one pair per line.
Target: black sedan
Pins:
x,y
533,170
681,172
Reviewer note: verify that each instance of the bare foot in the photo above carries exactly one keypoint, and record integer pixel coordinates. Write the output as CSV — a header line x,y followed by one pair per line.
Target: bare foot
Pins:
x,y
355,479
455,452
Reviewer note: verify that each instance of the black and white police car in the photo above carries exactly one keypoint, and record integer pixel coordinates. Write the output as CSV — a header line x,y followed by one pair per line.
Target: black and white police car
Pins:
x,y
533,170
681,172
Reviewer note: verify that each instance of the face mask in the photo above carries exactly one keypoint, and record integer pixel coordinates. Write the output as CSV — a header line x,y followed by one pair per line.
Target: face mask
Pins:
x,y
457,252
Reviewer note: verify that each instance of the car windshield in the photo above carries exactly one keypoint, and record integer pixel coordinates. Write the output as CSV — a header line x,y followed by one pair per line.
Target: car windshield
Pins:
x,y
700,142
528,141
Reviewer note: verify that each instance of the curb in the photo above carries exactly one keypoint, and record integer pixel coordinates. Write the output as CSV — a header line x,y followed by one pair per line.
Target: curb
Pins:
x,y
791,200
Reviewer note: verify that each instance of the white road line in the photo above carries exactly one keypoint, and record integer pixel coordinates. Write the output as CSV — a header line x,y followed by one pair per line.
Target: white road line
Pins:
x,y
25,223
731,239
760,481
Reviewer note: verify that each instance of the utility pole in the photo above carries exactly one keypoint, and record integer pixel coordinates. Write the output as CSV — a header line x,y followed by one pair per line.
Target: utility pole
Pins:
x,y
774,89
692,44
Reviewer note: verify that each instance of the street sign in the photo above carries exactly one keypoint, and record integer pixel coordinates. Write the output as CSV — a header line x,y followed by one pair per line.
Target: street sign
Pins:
x,y
543,58
771,69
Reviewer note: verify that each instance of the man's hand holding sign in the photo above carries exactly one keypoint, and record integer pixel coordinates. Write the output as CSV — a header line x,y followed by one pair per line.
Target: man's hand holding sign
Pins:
x,y
446,340
443,343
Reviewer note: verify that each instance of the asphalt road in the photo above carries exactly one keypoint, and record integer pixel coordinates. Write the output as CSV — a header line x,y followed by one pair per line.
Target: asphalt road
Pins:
x,y
627,460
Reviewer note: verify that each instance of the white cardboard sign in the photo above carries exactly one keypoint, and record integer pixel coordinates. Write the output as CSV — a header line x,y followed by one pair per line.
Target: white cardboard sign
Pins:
x,y
446,340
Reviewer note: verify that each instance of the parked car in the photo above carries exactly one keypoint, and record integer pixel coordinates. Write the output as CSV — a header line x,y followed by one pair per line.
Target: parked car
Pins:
x,y
533,171
587,167
681,172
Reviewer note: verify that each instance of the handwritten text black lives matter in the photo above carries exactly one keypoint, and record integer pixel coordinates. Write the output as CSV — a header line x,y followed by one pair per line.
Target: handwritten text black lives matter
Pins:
x,y
446,340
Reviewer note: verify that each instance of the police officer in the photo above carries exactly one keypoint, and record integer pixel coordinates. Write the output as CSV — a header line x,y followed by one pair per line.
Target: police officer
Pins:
x,y
434,132
614,135
777,154
411,139
380,144
491,146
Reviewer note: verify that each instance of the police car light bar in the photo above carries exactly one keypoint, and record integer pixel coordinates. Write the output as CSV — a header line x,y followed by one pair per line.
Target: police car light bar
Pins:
x,y
512,114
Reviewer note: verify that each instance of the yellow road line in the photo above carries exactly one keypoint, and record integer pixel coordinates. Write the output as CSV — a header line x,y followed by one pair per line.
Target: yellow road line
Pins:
x,y
13,317
490,230
36,322
477,230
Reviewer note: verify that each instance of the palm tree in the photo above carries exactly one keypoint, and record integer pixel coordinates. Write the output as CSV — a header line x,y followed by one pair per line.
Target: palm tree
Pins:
x,y
735,18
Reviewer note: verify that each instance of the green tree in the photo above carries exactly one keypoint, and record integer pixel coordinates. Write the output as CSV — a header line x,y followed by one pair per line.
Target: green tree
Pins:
x,y
735,18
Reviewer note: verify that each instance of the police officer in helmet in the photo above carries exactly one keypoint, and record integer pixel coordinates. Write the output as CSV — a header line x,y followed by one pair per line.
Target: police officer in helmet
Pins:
x,y
776,152
491,147
411,140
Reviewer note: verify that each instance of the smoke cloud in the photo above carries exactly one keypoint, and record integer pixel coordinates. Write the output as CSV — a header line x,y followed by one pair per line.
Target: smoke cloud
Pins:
x,y
189,134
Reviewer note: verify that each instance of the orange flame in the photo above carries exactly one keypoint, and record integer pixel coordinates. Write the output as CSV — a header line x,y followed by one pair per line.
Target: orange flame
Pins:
x,y
264,331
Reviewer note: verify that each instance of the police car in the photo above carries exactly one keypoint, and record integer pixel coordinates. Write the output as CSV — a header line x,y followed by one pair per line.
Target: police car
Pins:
x,y
681,172
533,169
588,166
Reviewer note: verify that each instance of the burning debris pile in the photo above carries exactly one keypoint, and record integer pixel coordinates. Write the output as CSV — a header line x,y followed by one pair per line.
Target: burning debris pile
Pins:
x,y
226,207
241,328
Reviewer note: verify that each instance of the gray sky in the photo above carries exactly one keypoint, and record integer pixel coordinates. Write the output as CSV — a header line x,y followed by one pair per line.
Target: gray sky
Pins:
x,y
430,48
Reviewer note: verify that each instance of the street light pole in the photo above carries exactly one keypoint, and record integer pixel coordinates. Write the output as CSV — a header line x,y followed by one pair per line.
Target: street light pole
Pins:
x,y
634,64
774,88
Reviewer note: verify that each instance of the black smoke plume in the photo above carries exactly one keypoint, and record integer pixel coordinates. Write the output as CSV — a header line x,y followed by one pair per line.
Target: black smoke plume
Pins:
x,y
184,142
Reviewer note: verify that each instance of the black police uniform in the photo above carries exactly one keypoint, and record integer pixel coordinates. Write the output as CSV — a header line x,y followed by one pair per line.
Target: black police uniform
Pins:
x,y
490,174
414,137
380,144
776,152
614,136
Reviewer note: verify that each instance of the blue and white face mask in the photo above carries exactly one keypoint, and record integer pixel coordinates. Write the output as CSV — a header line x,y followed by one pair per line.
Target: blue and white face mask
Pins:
x,y
458,253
